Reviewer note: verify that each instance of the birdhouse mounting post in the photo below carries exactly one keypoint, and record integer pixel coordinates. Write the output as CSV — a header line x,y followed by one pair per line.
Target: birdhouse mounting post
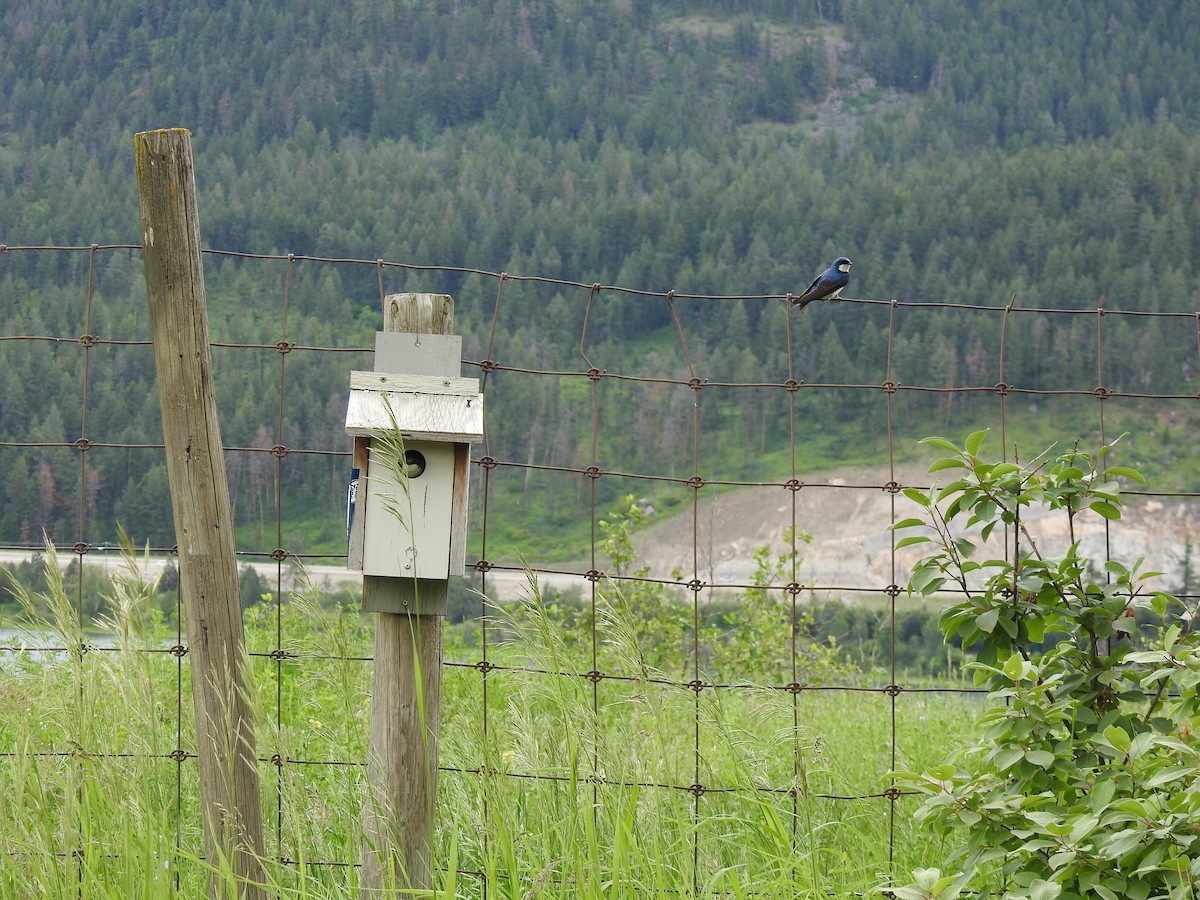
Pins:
x,y
413,419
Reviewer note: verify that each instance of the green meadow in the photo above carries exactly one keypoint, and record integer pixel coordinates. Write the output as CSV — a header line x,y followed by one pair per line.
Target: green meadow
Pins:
x,y
552,784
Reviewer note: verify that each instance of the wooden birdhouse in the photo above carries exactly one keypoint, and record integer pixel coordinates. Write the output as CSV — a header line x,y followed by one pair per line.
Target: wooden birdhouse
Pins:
x,y
413,420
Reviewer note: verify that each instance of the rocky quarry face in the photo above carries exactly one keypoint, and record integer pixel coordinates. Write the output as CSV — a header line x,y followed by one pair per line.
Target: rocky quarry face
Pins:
x,y
848,513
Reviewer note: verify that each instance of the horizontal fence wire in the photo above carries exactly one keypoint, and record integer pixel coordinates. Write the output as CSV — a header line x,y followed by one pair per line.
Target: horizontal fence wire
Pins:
x,y
508,368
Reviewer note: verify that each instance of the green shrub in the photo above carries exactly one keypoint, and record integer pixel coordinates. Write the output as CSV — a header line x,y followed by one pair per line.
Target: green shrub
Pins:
x,y
1084,780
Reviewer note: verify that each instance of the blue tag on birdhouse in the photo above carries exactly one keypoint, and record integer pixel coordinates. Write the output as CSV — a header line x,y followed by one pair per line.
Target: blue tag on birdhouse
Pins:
x,y
351,498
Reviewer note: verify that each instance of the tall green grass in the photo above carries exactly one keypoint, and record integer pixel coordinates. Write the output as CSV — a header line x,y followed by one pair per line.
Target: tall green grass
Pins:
x,y
553,785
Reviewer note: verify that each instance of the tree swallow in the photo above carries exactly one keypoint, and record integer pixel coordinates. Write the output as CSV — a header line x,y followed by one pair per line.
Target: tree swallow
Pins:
x,y
828,285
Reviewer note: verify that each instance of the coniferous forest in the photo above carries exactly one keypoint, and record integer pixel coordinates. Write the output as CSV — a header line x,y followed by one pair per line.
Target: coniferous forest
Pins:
x,y
960,151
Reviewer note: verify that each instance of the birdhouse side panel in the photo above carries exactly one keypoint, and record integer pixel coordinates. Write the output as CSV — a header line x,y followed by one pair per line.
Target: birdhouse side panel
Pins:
x,y
408,518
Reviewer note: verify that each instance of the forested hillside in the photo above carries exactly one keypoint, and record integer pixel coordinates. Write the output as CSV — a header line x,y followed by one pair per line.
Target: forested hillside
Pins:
x,y
960,151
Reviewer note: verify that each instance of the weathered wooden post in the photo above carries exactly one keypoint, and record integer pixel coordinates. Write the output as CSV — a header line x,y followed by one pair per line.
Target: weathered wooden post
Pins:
x,y
413,419
221,680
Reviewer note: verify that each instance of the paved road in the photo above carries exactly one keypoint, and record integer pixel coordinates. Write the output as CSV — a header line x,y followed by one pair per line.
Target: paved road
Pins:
x,y
502,583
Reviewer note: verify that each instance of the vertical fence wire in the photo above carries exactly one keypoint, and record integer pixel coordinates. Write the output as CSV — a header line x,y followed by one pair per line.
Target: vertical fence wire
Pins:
x,y
86,344
697,683
277,756
494,460
1101,396
794,574
893,591
485,614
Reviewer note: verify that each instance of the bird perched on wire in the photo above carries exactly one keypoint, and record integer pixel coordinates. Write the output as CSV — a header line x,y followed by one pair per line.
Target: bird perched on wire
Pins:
x,y
828,285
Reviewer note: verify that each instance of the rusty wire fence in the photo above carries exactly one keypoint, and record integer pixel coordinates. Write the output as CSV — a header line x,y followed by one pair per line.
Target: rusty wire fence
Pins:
x,y
317,768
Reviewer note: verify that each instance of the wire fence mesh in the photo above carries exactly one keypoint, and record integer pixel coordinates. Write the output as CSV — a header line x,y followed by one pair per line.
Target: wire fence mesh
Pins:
x,y
702,777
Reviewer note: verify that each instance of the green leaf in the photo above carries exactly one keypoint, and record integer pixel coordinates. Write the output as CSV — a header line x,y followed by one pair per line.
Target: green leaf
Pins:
x,y
1102,794
1105,509
1007,757
943,772
986,622
1042,758
1062,859
1126,472
1171,636
1121,844
1167,775
946,889
985,510
913,539
947,462
917,496
1082,826
1133,806
1117,737
926,878
907,523
1009,625
1140,744
925,580
975,441
940,442
1014,667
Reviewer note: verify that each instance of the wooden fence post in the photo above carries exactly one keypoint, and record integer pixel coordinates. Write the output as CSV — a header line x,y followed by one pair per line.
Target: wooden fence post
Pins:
x,y
221,680
406,690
